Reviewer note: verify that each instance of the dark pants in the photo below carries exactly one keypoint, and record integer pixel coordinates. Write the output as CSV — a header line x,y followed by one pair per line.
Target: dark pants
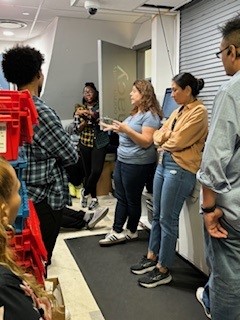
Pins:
x,y
129,182
73,219
50,223
76,172
93,159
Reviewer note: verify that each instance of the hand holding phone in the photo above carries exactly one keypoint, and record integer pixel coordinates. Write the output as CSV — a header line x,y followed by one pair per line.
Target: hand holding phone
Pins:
x,y
107,120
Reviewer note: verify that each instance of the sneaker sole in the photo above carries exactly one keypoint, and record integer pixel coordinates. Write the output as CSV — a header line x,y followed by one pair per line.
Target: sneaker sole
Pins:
x,y
157,283
92,225
143,270
131,239
112,243
199,299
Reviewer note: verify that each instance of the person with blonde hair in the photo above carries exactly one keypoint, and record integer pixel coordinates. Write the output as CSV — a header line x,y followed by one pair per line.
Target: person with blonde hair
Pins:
x,y
136,156
21,297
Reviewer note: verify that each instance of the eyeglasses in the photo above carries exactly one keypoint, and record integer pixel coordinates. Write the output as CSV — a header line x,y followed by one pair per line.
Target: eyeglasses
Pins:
x,y
219,53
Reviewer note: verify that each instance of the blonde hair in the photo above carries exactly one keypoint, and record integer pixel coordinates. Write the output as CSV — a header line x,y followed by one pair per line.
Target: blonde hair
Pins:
x,y
7,258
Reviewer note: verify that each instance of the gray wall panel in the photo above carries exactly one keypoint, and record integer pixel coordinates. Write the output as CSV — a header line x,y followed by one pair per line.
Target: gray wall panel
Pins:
x,y
200,40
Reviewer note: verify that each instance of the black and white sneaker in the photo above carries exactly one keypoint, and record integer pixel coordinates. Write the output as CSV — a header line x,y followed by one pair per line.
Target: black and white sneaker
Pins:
x,y
93,204
143,266
131,235
84,199
113,238
155,278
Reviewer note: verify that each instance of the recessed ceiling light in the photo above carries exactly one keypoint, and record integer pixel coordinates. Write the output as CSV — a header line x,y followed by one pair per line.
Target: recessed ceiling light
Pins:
x,y
12,24
8,33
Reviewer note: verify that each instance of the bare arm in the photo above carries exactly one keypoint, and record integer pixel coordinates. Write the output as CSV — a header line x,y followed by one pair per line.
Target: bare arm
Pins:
x,y
143,139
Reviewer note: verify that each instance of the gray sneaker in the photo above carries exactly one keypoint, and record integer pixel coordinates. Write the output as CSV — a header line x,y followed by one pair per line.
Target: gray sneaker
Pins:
x,y
143,266
155,278
98,215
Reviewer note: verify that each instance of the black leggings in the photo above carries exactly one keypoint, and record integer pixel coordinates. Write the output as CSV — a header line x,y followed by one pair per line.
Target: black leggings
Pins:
x,y
50,223
93,159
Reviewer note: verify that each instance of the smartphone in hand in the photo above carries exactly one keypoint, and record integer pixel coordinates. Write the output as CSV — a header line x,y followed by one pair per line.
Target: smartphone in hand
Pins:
x,y
107,120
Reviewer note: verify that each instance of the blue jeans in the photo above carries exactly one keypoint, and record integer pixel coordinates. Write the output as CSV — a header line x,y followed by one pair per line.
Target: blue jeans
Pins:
x,y
224,283
129,180
205,297
171,186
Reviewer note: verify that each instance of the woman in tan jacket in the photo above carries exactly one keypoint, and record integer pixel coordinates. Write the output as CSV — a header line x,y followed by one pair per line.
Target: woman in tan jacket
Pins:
x,y
180,142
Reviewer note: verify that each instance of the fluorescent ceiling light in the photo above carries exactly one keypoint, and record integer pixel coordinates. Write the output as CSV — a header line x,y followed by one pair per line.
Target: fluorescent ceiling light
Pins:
x,y
8,33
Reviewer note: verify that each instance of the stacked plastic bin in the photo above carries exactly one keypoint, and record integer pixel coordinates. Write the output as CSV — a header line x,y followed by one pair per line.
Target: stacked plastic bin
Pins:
x,y
18,115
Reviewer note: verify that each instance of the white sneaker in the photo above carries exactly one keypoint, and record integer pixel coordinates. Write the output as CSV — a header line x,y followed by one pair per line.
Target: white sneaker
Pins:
x,y
67,314
131,235
113,238
199,296
98,215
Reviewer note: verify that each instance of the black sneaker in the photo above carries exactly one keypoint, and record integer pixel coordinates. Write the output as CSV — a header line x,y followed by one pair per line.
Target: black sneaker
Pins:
x,y
155,278
145,265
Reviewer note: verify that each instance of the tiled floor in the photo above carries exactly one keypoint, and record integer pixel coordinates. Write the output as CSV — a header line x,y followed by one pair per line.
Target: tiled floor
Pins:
x,y
77,296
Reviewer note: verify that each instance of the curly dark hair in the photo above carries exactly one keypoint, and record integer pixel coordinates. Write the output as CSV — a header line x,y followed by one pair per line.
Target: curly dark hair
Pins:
x,y
21,64
96,93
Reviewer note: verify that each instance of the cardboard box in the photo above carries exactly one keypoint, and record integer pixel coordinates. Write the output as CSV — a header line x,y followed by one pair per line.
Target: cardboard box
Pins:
x,y
52,286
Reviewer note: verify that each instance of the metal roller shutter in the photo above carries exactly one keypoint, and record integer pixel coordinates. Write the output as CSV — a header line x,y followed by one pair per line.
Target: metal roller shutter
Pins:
x,y
200,40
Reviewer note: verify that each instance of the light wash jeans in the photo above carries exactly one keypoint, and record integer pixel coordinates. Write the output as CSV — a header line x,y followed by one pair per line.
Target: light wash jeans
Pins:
x,y
224,283
171,186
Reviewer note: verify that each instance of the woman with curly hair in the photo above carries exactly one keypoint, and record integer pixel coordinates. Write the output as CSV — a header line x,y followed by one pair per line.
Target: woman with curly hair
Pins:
x,y
20,295
136,156
93,144
180,142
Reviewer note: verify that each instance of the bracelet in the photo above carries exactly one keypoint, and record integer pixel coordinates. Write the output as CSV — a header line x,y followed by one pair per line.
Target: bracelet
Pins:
x,y
208,210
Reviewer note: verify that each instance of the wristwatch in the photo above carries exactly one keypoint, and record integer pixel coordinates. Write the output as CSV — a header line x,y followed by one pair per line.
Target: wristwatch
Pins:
x,y
207,209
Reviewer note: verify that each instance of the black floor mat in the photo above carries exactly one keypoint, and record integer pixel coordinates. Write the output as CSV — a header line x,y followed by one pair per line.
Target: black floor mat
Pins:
x,y
115,288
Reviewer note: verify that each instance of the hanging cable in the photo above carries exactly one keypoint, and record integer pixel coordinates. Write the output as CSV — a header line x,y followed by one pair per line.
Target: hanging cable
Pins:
x,y
165,39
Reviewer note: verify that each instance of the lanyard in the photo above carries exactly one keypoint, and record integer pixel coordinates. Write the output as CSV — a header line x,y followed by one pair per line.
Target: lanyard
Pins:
x,y
178,115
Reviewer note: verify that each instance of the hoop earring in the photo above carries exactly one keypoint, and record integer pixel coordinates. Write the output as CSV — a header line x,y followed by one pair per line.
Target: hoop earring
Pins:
x,y
9,227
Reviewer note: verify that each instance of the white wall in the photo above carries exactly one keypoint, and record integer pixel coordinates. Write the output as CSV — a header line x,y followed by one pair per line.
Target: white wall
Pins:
x,y
144,33
45,43
164,48
74,58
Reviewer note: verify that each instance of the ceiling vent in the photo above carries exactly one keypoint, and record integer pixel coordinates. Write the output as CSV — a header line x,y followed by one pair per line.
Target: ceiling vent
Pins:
x,y
12,24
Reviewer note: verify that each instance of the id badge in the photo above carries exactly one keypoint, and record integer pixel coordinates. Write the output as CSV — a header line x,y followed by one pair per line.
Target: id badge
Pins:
x,y
160,156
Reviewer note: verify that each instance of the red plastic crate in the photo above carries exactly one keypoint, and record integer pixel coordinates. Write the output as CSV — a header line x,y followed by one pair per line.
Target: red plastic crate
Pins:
x,y
18,114
9,135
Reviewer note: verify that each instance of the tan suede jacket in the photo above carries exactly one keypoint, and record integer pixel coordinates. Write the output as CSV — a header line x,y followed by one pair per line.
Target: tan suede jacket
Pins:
x,y
186,140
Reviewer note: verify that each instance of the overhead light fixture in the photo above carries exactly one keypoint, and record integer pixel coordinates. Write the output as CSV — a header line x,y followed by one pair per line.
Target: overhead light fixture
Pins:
x,y
8,33
12,24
